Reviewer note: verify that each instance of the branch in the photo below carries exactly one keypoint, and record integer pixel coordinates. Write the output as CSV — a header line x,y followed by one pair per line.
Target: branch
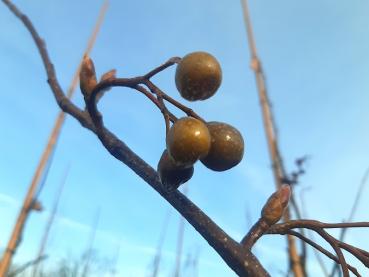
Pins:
x,y
273,211
337,245
359,193
241,260
322,250
238,256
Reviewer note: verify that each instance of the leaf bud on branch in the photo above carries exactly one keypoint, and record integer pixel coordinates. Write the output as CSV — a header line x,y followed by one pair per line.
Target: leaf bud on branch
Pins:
x,y
275,206
87,76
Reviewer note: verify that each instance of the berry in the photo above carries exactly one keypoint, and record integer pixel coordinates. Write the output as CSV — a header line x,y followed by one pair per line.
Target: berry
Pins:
x,y
198,76
188,140
171,175
227,147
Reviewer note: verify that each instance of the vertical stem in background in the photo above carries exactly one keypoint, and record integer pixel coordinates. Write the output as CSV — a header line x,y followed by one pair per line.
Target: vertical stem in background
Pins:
x,y
270,131
157,259
181,230
114,270
50,223
15,237
90,245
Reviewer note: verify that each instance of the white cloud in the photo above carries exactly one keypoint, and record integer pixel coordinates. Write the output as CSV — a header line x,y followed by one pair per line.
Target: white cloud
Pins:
x,y
8,200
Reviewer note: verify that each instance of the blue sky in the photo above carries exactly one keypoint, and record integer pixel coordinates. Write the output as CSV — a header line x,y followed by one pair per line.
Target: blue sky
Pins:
x,y
315,55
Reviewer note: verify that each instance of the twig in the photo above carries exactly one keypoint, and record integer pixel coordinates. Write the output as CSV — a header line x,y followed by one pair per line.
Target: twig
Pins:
x,y
322,250
310,235
319,227
356,202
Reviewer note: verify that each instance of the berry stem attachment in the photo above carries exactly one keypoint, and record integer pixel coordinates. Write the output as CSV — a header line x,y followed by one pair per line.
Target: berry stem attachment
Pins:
x,y
170,62
154,89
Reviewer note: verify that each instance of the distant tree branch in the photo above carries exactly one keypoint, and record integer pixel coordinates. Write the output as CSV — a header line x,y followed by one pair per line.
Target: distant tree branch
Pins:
x,y
24,267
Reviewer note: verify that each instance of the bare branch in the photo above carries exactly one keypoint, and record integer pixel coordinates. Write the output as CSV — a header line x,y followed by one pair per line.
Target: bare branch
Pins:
x,y
353,210
337,245
238,256
241,260
322,250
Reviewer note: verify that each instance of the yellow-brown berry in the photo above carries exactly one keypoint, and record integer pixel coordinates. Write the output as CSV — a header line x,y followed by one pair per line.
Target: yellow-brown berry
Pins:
x,y
226,149
198,76
188,140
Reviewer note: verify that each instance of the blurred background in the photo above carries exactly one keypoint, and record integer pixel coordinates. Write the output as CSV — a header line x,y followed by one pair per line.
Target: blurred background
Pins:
x,y
315,58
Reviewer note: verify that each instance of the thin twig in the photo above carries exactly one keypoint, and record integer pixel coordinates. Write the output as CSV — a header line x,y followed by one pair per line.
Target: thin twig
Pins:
x,y
322,250
356,202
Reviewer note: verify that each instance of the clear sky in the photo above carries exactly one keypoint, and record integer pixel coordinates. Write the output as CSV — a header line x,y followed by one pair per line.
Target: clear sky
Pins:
x,y
315,55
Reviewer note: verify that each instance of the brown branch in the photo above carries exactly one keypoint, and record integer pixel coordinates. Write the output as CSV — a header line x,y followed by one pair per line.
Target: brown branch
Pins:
x,y
241,260
238,256
39,177
272,212
232,252
337,249
337,245
310,235
322,250
353,210
64,103
256,232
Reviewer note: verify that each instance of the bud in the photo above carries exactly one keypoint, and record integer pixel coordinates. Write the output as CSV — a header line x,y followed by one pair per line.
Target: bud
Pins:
x,y
276,204
255,64
87,76
105,77
37,206
108,75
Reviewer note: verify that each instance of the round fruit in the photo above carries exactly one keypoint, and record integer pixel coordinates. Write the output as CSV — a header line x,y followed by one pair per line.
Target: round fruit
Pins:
x,y
226,149
198,76
188,140
172,175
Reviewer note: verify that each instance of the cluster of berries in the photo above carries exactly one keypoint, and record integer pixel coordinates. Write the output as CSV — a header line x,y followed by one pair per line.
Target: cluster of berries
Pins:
x,y
219,146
